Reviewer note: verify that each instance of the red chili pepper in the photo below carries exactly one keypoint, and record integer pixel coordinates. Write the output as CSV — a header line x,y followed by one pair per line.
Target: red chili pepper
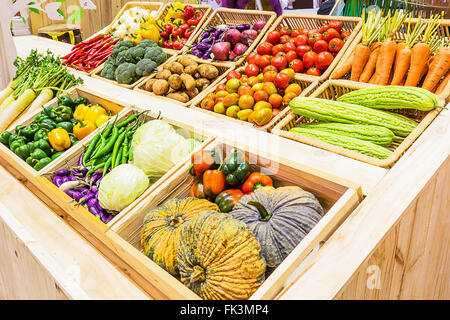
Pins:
x,y
196,19
189,12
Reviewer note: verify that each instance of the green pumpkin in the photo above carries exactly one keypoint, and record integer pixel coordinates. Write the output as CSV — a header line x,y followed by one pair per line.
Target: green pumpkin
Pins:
x,y
279,218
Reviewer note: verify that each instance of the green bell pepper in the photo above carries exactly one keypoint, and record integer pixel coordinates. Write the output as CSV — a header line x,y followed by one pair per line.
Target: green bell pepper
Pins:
x,y
79,100
66,125
4,138
40,117
56,155
17,143
30,130
38,154
30,161
23,151
12,138
18,129
73,139
47,111
42,163
47,124
32,145
65,101
227,199
41,134
61,113
236,168
44,146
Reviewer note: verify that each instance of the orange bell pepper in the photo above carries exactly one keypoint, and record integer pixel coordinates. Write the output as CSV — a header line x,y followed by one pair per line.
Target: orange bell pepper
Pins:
x,y
255,181
83,128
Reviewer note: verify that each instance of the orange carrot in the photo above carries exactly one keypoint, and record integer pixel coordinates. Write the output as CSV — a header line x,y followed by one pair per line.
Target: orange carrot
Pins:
x,y
369,68
385,61
401,66
438,68
373,79
344,68
443,84
419,57
362,54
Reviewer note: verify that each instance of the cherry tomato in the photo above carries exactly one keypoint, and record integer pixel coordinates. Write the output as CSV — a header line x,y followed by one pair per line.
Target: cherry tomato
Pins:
x,y
263,61
273,37
324,28
301,50
279,62
270,68
285,31
275,100
320,46
323,60
275,112
285,39
264,48
252,81
313,71
335,44
244,78
233,74
305,32
309,59
290,72
269,76
252,57
300,40
313,38
288,97
291,55
269,87
330,34
207,104
221,87
246,101
336,25
345,34
221,94
296,65
220,99
251,70
260,95
282,80
313,31
211,95
245,89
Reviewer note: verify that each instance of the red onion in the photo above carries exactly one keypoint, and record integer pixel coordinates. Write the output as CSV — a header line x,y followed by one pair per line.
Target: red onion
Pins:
x,y
232,56
239,49
232,36
258,26
221,50
248,36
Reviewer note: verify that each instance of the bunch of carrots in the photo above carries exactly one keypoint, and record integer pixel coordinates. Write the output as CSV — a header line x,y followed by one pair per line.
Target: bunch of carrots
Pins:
x,y
381,60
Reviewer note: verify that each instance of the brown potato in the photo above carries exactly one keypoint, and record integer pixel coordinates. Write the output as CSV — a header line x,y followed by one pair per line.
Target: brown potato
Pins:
x,y
160,87
197,75
202,83
190,69
179,96
176,67
208,71
149,84
163,74
192,93
186,61
175,81
188,81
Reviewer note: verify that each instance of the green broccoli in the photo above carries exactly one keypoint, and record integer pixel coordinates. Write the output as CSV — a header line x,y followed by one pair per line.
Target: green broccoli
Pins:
x,y
125,56
145,67
156,54
118,50
126,73
147,43
108,71
122,45
110,60
137,53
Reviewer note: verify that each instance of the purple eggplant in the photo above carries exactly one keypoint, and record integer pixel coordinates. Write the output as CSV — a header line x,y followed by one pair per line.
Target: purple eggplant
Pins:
x,y
242,27
86,197
74,194
94,211
218,33
207,55
57,181
62,172
197,52
80,161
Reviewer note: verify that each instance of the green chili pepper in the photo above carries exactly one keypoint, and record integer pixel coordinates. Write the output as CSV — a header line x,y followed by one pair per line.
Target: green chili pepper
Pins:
x,y
127,121
42,163
117,146
109,145
90,149
66,125
125,151
130,152
100,165
4,138
118,160
107,164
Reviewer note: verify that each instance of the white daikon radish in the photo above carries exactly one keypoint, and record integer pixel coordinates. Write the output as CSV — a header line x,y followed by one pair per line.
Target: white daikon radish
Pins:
x,y
5,93
6,103
12,111
45,96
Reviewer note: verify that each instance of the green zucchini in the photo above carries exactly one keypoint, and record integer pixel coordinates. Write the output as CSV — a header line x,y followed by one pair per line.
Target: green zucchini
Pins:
x,y
336,111
361,146
392,97
375,134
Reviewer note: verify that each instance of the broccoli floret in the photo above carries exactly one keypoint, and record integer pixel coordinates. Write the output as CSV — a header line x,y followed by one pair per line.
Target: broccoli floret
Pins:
x,y
108,71
124,43
156,54
147,43
137,53
126,73
117,50
110,60
145,67
125,56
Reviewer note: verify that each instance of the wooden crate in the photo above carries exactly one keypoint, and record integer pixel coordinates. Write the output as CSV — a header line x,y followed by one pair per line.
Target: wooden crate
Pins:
x,y
331,90
206,10
338,197
98,70
79,91
443,32
235,16
223,71
307,86
315,21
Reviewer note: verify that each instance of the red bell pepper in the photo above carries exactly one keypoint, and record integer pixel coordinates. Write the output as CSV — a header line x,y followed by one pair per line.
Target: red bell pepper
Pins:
x,y
255,181
188,33
189,12
177,32
168,43
195,20
166,31
179,44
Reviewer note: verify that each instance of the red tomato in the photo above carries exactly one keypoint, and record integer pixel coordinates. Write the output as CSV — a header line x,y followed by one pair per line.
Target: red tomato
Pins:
x,y
301,50
335,44
291,55
309,59
270,68
275,112
323,60
264,48
221,87
277,48
252,57
233,75
282,80
345,34
273,37
320,46
324,28
279,62
313,31
300,40
285,31
251,70
289,47
269,76
305,32
313,71
336,25
330,34
295,33
313,38
263,61
285,39
296,65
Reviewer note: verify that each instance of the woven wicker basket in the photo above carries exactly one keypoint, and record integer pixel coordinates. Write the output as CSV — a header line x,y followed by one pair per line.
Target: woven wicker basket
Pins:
x,y
313,21
307,86
331,90
443,32
234,16
223,71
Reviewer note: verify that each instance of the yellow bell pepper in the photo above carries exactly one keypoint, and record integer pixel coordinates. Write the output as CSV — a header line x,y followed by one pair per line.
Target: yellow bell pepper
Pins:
x,y
151,32
80,112
101,119
136,38
178,22
94,112
150,20
59,139
83,128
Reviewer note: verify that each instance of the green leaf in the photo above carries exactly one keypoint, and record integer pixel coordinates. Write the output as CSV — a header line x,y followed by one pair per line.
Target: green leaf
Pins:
x,y
62,13
34,10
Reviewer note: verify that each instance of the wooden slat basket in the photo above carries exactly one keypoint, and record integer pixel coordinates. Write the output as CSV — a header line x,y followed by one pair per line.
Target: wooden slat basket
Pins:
x,y
235,16
314,21
26,170
331,90
223,71
338,198
307,86
206,10
400,36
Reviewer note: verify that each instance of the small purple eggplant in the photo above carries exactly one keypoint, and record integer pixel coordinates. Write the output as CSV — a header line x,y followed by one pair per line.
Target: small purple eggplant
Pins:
x,y
57,181
62,172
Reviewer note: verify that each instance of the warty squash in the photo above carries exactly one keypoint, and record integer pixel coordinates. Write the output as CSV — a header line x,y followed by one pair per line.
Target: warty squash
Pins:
x,y
279,218
219,257
160,232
